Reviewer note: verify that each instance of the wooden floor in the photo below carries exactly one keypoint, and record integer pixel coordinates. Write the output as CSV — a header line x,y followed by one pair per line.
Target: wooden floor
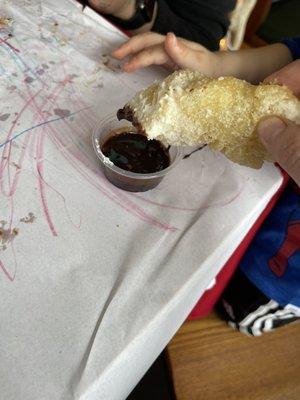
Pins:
x,y
210,361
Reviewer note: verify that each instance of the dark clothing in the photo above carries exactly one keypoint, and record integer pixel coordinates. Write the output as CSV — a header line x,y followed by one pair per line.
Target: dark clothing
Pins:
x,y
294,45
202,21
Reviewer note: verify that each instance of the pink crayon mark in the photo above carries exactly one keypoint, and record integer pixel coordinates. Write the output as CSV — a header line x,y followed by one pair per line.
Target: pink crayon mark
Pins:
x,y
221,203
39,156
10,277
40,169
14,183
77,226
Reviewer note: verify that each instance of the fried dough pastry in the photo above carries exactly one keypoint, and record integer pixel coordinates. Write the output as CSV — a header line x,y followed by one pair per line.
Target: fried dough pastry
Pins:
x,y
189,108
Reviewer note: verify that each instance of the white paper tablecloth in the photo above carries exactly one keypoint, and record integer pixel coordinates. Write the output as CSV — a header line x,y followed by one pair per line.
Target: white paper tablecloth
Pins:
x,y
95,281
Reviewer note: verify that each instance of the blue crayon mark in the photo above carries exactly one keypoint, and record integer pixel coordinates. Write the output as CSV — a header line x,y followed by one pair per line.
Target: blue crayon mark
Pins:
x,y
39,125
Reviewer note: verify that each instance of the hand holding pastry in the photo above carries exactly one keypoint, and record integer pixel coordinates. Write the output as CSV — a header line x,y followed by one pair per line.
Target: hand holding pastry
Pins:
x,y
282,141
288,76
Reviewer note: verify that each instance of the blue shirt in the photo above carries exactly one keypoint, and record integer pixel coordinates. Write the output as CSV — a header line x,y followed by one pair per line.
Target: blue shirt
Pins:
x,y
294,46
272,262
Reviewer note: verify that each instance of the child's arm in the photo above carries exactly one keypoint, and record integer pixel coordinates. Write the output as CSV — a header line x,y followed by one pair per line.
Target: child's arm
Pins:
x,y
254,65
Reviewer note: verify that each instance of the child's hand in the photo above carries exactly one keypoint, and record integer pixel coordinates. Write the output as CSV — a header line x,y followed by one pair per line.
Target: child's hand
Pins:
x,y
151,48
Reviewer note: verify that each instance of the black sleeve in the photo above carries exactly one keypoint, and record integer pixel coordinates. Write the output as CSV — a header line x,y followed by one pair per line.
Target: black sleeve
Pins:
x,y
202,21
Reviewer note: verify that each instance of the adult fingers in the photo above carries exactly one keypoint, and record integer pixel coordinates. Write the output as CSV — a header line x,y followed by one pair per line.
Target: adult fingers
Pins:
x,y
138,43
282,141
288,76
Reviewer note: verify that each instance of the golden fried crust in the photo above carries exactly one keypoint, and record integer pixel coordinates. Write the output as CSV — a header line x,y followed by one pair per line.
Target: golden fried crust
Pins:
x,y
189,108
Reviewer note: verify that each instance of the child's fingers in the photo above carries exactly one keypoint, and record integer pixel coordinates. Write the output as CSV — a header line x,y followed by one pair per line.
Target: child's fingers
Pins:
x,y
180,53
152,55
138,43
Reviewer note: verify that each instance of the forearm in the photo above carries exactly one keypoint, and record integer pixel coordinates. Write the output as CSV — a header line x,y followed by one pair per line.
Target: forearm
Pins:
x,y
253,65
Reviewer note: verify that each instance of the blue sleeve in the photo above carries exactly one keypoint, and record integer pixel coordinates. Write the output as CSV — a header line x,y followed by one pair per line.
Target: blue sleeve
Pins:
x,y
294,46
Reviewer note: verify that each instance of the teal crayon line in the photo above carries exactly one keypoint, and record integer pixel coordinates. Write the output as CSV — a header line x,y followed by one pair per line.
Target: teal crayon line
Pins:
x,y
38,125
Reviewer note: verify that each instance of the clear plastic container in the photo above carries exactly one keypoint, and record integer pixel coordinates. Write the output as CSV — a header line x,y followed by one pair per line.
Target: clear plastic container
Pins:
x,y
126,180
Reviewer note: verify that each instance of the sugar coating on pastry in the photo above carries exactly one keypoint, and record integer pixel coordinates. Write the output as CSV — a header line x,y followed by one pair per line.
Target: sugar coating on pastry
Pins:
x,y
189,108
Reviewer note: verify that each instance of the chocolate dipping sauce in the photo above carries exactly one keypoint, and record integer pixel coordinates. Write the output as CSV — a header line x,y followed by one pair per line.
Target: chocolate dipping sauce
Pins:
x,y
135,153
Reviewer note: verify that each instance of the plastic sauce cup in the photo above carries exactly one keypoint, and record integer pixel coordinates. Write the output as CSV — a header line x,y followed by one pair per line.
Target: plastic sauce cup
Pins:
x,y
127,180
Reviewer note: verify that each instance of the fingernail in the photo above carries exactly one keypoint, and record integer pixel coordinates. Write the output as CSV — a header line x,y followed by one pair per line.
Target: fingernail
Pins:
x,y
173,37
269,128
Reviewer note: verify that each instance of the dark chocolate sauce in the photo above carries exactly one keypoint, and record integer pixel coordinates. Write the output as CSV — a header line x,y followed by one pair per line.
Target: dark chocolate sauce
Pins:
x,y
194,151
134,152
125,113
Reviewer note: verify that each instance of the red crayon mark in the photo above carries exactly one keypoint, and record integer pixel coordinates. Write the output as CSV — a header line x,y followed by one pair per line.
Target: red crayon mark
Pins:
x,y
5,41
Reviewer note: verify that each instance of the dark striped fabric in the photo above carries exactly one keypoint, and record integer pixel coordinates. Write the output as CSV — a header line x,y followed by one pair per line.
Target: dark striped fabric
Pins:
x,y
248,310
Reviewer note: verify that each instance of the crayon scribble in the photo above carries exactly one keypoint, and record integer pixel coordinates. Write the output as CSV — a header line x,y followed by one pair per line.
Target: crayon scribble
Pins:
x,y
15,145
